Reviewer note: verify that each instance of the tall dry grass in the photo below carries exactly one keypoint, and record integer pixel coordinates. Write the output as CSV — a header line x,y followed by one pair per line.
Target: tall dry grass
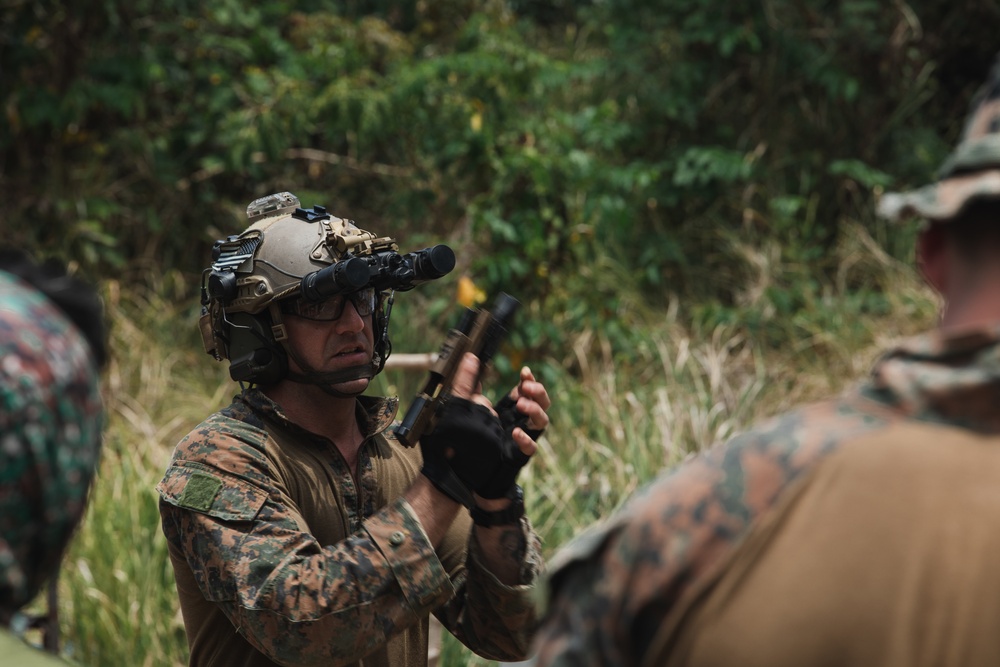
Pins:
x,y
619,417
117,597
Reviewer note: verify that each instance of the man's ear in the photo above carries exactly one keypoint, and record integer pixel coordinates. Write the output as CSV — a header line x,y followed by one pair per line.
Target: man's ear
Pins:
x,y
933,256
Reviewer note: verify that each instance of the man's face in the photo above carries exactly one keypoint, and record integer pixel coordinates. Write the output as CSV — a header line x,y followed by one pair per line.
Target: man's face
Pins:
x,y
333,335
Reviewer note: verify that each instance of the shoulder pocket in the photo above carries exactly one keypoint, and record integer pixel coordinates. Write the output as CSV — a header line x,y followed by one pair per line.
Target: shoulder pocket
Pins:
x,y
204,489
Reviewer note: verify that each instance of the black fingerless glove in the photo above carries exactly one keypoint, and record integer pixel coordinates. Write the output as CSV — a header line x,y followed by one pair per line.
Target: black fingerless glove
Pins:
x,y
463,452
501,484
510,418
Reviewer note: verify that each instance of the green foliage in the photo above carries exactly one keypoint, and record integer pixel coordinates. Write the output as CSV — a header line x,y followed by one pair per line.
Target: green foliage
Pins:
x,y
540,137
681,186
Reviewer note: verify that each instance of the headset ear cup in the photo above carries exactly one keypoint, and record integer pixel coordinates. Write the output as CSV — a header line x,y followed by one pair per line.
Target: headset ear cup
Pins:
x,y
254,354
262,366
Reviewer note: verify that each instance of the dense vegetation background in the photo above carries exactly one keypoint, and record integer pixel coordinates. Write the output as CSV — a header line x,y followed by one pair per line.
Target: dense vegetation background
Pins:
x,y
679,191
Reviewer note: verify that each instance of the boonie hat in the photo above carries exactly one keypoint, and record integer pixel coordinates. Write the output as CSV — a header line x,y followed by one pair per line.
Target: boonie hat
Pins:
x,y
971,172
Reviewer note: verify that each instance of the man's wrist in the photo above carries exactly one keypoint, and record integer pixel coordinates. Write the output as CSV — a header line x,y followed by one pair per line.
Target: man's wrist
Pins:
x,y
492,504
447,482
434,509
499,512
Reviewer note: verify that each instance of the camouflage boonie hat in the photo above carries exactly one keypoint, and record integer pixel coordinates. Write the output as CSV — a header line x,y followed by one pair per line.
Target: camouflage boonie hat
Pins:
x,y
50,437
972,171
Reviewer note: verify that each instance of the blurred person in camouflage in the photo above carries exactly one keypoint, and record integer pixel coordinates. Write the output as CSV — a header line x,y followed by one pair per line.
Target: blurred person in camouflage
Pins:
x,y
301,530
857,531
52,348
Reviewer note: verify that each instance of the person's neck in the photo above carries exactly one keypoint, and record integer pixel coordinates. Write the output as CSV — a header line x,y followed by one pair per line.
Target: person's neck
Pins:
x,y
972,304
313,409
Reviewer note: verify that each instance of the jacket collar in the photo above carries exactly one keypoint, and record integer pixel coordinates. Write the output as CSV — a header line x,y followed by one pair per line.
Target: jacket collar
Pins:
x,y
951,377
375,413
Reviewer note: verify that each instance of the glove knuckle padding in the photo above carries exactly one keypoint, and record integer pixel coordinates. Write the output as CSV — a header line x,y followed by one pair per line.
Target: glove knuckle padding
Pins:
x,y
467,441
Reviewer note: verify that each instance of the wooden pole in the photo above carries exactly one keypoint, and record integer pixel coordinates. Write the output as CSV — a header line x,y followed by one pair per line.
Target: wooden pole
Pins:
x,y
411,362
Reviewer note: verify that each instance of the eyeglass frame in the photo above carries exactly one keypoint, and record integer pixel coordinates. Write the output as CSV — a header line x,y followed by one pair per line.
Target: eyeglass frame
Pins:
x,y
337,303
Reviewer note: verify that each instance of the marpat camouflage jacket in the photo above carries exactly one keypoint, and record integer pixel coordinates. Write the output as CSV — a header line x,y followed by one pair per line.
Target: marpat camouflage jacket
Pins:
x,y
663,581
280,557
51,420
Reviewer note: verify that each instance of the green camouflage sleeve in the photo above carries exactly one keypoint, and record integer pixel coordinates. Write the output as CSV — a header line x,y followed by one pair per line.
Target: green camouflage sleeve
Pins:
x,y
51,421
616,587
295,600
495,620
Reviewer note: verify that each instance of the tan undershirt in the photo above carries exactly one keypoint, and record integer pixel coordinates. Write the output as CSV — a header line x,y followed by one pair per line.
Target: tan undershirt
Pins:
x,y
820,581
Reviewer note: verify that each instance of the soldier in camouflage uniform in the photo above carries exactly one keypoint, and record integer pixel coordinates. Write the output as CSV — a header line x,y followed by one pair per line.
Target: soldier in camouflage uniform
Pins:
x,y
51,350
857,531
301,531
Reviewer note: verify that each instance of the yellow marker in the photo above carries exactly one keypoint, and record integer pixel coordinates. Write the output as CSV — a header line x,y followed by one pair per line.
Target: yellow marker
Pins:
x,y
467,293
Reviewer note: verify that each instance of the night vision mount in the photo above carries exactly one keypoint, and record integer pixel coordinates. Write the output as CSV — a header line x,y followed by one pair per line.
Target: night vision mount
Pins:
x,y
370,262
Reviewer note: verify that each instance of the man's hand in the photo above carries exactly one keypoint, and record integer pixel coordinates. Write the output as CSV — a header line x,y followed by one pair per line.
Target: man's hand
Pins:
x,y
523,416
464,383
436,494
474,447
531,401
467,445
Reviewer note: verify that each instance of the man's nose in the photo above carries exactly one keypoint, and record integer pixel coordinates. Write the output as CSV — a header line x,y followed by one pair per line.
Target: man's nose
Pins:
x,y
350,320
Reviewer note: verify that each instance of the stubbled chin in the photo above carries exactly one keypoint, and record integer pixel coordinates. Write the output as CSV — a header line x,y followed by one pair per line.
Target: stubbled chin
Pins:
x,y
352,386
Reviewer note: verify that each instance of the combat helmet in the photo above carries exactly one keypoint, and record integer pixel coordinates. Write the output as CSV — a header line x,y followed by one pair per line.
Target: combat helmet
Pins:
x,y
970,173
288,253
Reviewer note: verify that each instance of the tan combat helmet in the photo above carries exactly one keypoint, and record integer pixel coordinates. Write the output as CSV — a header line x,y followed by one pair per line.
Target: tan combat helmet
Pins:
x,y
971,172
287,253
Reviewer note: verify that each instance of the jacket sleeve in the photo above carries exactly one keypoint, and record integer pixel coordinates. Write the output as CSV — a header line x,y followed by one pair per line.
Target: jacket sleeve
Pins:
x,y
296,601
494,620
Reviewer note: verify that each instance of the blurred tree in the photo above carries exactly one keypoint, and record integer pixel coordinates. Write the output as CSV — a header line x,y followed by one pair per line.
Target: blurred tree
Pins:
x,y
568,149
